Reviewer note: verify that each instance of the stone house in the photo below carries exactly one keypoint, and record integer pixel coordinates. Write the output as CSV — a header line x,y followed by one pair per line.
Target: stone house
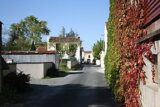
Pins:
x,y
53,43
87,57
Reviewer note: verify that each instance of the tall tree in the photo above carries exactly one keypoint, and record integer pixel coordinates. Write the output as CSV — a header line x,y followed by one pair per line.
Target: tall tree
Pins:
x,y
71,34
63,32
97,48
70,49
33,47
30,29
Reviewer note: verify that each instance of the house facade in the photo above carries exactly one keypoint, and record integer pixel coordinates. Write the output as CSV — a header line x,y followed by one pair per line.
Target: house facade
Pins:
x,y
150,93
53,43
87,57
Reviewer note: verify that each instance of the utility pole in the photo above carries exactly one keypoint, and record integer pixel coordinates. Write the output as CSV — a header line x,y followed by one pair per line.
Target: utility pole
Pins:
x,y
0,57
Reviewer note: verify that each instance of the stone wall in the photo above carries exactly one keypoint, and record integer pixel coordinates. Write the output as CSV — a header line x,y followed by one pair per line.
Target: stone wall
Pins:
x,y
102,56
32,58
150,93
35,70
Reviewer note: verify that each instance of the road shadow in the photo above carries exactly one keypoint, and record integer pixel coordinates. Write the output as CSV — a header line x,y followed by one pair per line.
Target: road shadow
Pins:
x,y
69,95
90,65
59,74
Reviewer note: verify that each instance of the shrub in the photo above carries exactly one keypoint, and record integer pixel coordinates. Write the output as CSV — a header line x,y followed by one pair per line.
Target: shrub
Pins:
x,y
18,82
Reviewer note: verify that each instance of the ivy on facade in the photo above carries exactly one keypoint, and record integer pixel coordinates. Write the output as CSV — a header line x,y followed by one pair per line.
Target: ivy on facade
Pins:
x,y
124,59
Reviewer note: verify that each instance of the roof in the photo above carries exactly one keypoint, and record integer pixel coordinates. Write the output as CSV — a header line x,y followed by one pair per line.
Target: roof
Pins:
x,y
42,48
87,51
64,39
28,52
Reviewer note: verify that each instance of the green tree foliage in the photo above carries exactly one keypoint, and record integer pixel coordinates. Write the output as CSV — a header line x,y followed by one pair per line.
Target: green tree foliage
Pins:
x,y
33,47
60,48
71,34
72,49
27,30
97,48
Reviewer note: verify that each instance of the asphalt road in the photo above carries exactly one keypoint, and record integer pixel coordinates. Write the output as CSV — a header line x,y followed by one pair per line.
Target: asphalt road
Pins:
x,y
85,88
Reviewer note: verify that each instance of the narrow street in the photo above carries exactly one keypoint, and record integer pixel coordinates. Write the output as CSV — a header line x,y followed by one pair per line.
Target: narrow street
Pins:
x,y
86,88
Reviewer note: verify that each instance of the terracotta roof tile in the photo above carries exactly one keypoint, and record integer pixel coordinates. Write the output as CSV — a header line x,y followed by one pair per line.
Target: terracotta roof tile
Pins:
x,y
87,51
42,48
64,39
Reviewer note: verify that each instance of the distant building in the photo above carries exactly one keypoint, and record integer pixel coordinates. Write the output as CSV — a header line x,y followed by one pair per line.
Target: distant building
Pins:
x,y
42,47
87,57
53,42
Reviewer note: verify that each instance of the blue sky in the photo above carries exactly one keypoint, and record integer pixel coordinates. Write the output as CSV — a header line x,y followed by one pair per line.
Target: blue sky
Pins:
x,y
86,17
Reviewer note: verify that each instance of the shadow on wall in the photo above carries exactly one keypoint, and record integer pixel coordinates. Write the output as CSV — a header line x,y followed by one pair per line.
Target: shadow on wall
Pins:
x,y
70,95
53,72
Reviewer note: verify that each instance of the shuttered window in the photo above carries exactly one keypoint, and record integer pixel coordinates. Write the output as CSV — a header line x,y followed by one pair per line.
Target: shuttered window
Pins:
x,y
151,11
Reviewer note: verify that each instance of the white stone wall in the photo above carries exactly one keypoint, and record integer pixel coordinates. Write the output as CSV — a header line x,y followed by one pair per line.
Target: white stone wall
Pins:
x,y
102,56
36,70
150,93
98,62
78,53
51,46
105,37
33,58
47,66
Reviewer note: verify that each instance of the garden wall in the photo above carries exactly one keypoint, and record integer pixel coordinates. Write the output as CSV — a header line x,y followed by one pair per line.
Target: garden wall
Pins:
x,y
35,70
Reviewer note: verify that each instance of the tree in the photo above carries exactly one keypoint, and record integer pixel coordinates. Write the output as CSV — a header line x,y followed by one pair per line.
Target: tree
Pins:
x,y
28,30
71,34
63,32
33,47
70,49
97,48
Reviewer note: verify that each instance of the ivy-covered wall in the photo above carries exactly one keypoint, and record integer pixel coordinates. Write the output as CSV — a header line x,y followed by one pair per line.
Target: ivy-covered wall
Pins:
x,y
124,58
112,56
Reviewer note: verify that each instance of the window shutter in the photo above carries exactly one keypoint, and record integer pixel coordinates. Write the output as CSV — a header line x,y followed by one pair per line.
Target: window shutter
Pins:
x,y
151,11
